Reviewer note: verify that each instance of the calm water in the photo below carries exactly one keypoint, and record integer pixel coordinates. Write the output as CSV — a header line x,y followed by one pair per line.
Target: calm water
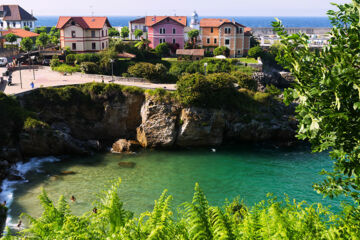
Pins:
x,y
247,21
250,173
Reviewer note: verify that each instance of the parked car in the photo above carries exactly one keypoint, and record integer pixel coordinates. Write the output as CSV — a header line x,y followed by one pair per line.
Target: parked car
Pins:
x,y
3,61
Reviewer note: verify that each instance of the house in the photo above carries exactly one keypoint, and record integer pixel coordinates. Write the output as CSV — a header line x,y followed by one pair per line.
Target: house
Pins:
x,y
84,34
14,16
137,24
19,33
217,32
190,54
166,29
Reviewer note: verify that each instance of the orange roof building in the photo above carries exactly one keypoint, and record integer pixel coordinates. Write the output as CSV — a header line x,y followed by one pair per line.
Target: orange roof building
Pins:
x,y
19,32
84,34
217,32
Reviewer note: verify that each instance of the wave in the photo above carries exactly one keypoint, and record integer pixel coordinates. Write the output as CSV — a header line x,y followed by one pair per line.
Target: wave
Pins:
x,y
20,169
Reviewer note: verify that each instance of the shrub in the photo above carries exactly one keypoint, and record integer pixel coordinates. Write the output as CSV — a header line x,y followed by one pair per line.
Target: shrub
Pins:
x,y
55,62
163,49
89,67
256,52
66,68
31,123
245,80
148,71
70,59
87,57
222,50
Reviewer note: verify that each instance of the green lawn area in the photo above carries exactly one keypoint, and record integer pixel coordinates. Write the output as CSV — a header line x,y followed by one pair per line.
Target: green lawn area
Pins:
x,y
247,60
170,59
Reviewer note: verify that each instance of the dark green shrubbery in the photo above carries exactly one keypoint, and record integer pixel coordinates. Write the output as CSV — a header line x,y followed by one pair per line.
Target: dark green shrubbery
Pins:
x,y
89,67
153,72
70,59
87,57
223,50
256,52
245,80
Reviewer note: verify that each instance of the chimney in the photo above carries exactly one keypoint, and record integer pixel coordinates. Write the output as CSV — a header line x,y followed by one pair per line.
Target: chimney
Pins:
x,y
233,21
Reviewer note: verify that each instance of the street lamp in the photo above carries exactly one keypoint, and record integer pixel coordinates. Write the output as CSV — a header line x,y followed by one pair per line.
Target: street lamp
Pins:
x,y
205,66
112,69
32,62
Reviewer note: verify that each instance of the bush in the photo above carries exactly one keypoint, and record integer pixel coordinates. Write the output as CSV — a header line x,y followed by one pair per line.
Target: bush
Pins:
x,y
70,59
55,62
256,52
89,67
148,71
222,51
245,80
87,57
162,50
66,68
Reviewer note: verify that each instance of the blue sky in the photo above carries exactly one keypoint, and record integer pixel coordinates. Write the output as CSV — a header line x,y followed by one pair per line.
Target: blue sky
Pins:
x,y
180,7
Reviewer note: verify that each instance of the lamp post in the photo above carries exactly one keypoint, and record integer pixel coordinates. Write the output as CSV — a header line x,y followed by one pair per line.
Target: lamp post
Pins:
x,y
32,62
205,66
112,69
20,74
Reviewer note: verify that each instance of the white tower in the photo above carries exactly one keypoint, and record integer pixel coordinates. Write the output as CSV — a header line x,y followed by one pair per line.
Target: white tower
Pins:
x,y
195,23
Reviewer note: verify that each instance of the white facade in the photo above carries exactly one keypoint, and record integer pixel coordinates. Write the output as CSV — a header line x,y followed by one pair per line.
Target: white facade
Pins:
x,y
137,24
84,40
5,24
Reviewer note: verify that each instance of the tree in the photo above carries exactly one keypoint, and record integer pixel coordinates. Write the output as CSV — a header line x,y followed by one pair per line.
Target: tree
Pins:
x,y
55,40
11,38
152,72
113,32
162,49
143,44
327,88
39,30
256,52
222,51
138,33
125,32
26,44
193,35
26,28
42,40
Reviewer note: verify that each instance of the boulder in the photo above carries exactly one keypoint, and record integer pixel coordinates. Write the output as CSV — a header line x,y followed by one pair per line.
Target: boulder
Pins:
x,y
123,145
201,127
159,124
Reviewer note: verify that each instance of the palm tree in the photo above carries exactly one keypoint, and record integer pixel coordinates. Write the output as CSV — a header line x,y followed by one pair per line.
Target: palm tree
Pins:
x,y
143,44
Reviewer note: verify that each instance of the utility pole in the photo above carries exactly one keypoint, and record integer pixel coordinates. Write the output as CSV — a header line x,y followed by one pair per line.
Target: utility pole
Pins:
x,y
20,74
32,61
112,70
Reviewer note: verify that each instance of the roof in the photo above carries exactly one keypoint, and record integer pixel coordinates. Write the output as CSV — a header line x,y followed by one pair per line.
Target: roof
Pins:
x,y
84,22
217,22
126,55
139,20
16,13
20,33
247,31
191,52
213,22
153,20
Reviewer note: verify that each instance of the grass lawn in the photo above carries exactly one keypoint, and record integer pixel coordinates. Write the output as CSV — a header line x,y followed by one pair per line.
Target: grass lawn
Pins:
x,y
247,60
170,59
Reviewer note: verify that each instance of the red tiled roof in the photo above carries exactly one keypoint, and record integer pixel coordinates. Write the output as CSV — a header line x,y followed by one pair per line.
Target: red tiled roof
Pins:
x,y
84,22
153,20
139,20
16,13
213,22
20,33
190,52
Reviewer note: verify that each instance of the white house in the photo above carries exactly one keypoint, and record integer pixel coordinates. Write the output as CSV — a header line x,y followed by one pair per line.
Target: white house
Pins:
x,y
14,16
137,24
84,34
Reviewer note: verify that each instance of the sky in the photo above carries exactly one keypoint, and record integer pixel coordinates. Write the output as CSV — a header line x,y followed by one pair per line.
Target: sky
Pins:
x,y
180,7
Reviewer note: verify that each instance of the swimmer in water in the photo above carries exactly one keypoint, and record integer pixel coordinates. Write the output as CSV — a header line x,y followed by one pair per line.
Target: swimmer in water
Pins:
x,y
73,199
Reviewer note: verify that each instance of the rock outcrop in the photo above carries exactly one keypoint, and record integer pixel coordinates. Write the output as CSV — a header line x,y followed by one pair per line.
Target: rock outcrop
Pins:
x,y
127,146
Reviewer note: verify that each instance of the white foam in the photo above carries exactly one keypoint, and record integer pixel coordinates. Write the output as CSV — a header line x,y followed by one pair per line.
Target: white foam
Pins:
x,y
8,187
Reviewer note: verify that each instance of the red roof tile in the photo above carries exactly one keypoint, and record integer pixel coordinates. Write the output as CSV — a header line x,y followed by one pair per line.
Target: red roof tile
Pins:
x,y
20,33
84,22
153,20
213,22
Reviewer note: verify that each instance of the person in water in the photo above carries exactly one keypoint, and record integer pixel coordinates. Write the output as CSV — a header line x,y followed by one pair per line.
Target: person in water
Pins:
x,y
73,199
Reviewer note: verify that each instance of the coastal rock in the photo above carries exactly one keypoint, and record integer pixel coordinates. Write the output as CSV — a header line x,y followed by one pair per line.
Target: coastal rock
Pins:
x,y
200,127
278,79
159,124
123,145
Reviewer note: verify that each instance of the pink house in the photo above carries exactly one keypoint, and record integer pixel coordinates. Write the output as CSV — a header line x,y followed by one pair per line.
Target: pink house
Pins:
x,y
166,29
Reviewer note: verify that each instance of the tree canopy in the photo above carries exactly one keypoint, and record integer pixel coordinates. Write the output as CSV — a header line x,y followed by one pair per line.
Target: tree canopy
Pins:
x,y
113,32
222,50
125,32
11,38
42,40
27,44
138,33
327,88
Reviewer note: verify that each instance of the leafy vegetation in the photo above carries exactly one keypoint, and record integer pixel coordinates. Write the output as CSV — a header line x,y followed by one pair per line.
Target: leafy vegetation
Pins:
x,y
163,49
89,67
152,72
113,32
63,67
327,88
269,219
222,50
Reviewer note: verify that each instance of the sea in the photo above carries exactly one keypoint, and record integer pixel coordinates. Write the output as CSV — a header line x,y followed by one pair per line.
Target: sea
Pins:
x,y
315,22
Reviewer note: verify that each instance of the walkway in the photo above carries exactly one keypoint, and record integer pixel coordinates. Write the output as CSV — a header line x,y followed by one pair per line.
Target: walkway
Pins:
x,y
44,77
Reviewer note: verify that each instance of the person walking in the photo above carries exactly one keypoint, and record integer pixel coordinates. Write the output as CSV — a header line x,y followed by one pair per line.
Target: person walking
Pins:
x,y
32,85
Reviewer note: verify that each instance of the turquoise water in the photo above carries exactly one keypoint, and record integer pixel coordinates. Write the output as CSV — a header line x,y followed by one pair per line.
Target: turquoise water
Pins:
x,y
248,172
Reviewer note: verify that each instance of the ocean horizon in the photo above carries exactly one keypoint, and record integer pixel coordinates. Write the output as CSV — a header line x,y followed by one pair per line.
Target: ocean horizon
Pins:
x,y
315,22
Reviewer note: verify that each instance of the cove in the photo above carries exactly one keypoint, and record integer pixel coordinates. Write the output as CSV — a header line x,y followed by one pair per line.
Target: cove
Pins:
x,y
249,172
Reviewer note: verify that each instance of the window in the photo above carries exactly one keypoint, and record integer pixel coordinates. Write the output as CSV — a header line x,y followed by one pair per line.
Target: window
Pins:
x,y
73,23
174,40
174,31
73,34
1,24
93,46
208,40
103,45
212,30
14,24
227,41
31,25
102,32
215,40
239,52
227,30
162,30
106,33
162,40
239,30
74,46
93,34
